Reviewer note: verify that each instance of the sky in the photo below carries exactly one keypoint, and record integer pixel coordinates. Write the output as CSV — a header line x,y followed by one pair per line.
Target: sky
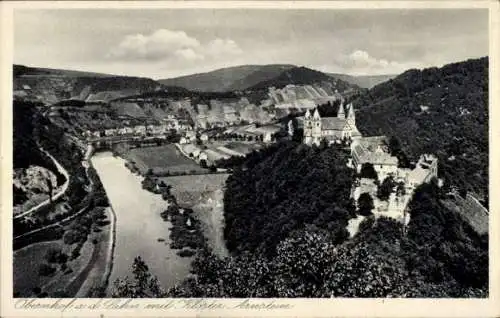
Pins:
x,y
165,43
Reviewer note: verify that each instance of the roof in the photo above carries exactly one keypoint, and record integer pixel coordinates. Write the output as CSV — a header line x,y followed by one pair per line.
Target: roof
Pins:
x,y
374,157
418,174
267,129
333,123
189,148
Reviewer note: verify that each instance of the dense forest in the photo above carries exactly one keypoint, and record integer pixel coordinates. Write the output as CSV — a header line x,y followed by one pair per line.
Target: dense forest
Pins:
x,y
437,110
284,247
294,186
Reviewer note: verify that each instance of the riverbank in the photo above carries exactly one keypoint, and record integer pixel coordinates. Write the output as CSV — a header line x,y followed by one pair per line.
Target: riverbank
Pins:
x,y
96,282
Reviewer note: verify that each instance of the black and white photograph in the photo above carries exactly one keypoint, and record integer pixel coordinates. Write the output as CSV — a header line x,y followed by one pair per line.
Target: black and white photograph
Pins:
x,y
208,153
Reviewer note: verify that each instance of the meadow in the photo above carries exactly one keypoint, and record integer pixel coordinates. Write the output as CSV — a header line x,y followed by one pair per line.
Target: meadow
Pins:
x,y
189,190
161,160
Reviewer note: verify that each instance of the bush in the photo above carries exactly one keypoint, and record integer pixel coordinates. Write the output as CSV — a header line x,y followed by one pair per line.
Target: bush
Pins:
x,y
385,189
71,237
76,251
368,171
365,204
46,270
186,253
52,255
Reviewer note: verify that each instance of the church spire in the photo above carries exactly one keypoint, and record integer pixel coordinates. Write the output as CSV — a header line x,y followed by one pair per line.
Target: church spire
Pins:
x,y
340,113
350,111
308,114
316,114
351,117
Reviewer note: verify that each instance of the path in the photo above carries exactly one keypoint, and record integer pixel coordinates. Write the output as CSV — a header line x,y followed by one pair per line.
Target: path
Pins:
x,y
69,218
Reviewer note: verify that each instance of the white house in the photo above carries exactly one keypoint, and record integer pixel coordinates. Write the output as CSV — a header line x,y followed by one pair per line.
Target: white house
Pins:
x,y
140,130
109,132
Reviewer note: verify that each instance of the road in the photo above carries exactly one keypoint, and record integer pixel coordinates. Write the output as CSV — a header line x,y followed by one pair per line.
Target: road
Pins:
x,y
54,197
69,218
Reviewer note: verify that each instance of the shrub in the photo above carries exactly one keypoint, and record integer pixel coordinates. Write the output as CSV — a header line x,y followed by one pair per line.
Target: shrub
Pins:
x,y
365,204
46,270
71,237
385,189
186,253
55,255
368,171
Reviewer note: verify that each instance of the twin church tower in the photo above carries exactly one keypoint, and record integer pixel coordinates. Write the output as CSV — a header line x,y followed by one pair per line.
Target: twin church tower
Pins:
x,y
332,129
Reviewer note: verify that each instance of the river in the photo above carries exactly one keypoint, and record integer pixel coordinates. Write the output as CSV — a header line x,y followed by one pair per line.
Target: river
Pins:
x,y
138,225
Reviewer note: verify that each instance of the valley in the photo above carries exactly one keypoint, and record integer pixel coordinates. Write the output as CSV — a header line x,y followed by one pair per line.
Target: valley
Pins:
x,y
250,171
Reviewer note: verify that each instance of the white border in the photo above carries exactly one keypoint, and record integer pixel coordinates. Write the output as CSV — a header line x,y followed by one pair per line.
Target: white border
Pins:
x,y
302,307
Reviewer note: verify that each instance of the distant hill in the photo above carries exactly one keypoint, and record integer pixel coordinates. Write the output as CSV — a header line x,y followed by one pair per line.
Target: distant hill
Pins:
x,y
256,77
227,79
54,85
20,70
437,110
304,75
363,81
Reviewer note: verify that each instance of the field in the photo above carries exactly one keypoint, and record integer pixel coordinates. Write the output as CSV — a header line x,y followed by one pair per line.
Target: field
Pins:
x,y
210,212
162,159
204,194
190,190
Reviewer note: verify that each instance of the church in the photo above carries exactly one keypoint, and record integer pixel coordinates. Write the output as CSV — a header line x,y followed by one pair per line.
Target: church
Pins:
x,y
331,129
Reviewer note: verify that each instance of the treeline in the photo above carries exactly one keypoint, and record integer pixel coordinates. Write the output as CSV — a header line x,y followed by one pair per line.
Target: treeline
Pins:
x,y
436,110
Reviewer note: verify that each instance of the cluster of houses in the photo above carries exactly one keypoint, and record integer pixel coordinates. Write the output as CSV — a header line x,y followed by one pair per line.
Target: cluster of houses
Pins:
x,y
265,133
167,125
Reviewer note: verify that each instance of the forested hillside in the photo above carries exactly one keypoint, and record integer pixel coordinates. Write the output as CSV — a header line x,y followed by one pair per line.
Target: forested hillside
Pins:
x,y
296,185
438,110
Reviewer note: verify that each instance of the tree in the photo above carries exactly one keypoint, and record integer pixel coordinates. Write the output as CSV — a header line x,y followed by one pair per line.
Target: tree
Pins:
x,y
394,146
71,237
385,189
401,189
55,255
365,204
144,284
46,270
368,171
203,163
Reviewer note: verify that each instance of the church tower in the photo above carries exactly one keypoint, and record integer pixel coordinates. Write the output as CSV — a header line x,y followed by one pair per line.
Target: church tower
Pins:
x,y
308,128
316,127
340,113
351,117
